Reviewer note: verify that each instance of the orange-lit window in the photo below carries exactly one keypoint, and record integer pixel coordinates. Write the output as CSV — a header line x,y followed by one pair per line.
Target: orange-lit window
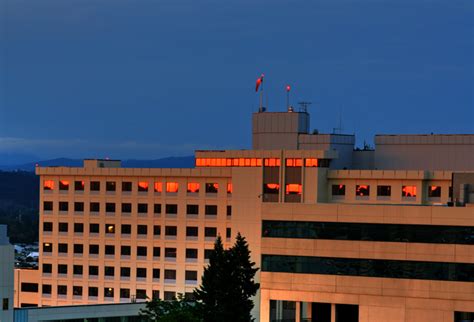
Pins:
x,y
362,190
272,162
212,187
434,191
63,185
158,186
199,162
408,191
294,162
259,162
311,162
48,185
271,188
229,162
293,189
172,187
193,187
142,186
229,188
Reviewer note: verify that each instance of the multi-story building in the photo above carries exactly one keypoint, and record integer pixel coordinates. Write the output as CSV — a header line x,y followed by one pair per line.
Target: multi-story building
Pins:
x,y
7,263
340,234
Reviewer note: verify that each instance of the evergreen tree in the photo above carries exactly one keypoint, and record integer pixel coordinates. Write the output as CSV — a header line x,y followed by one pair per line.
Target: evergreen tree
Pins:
x,y
177,310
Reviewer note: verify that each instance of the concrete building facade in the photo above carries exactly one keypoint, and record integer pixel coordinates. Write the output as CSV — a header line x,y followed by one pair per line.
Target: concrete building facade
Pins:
x,y
7,263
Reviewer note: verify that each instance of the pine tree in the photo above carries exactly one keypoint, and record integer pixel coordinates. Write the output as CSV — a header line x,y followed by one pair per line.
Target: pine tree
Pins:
x,y
178,310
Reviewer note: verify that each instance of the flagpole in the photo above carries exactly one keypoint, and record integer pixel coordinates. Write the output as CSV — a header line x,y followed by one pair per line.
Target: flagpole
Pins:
x,y
261,95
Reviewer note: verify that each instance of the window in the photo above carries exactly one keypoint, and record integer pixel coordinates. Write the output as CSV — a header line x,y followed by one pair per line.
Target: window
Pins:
x,y
229,211
141,294
62,227
124,293
193,187
229,188
29,287
110,186
48,185
157,208
62,248
362,190
228,233
78,206
172,187
157,230
78,227
191,231
338,190
63,206
272,162
78,248
62,269
311,162
141,272
108,292
109,271
434,192
211,210
169,296
155,294
294,162
409,191
156,251
47,247
47,226
79,185
125,271
93,291
77,290
142,186
271,188
293,189
77,269
384,191
47,268
94,207
191,253
208,253
158,187
5,304
109,228
170,274
126,186
171,230
94,228
156,273
190,275
171,209
170,252
109,250
125,250
126,229
46,288
210,232
48,206
63,185
142,208
95,186
93,249
192,209
62,289
110,207
212,187
141,251
142,229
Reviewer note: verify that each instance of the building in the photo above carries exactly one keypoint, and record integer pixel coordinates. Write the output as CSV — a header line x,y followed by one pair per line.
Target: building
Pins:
x,y
340,234
7,263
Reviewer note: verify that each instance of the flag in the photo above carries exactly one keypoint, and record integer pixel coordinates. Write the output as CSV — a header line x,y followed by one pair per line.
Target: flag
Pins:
x,y
259,82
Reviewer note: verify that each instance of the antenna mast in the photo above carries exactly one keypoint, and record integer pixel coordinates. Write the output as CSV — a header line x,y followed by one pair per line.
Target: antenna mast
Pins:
x,y
304,106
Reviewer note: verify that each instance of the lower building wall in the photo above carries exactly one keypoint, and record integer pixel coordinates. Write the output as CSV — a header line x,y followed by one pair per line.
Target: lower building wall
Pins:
x,y
26,297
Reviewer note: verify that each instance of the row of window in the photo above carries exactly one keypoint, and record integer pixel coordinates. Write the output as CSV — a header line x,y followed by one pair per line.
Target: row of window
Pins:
x,y
141,186
141,208
386,191
258,162
369,232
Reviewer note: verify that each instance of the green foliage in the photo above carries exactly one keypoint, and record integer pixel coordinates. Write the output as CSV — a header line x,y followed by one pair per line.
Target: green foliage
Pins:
x,y
178,310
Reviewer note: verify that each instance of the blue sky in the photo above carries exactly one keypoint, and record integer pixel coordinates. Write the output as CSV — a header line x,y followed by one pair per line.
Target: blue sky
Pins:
x,y
154,78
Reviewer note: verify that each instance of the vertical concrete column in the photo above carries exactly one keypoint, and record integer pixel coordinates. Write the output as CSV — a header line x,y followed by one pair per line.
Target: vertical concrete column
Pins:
x,y
333,312
298,312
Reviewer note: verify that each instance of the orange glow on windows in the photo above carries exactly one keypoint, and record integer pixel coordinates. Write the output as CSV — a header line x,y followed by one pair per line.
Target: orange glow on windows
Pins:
x,y
63,185
311,162
294,162
362,190
273,186
212,187
158,186
229,188
172,187
272,162
293,189
193,187
228,162
142,186
409,191
48,185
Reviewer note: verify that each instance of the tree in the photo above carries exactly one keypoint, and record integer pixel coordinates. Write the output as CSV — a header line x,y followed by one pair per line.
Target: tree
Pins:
x,y
178,310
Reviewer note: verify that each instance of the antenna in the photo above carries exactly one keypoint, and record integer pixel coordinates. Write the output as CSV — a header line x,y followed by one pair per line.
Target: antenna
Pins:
x,y
304,106
339,128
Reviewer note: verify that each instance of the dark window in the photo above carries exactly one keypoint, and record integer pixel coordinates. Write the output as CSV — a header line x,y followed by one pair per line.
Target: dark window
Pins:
x,y
77,290
191,253
47,268
170,252
62,269
29,287
228,233
93,249
212,187
5,304
95,186
63,206
124,293
156,251
125,250
94,228
156,230
79,185
109,271
109,250
125,271
170,274
126,229
362,190
126,207
142,208
463,316
156,273
169,296
434,191
141,251
110,207
94,207
192,231
208,253
78,227
110,186
229,210
62,290
47,247
93,291
47,205
126,186
141,272
141,294
192,209
78,206
109,228
157,208
62,227
211,210
384,191
155,294
108,292
78,248
77,269
171,230
62,248
142,229
190,275
46,288
338,190
171,209
47,226
210,232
